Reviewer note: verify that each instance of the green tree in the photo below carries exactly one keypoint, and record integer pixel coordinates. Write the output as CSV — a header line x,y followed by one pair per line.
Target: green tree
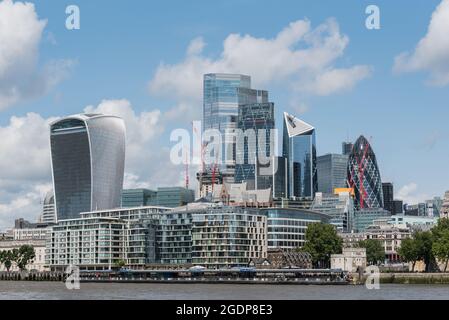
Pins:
x,y
7,258
375,252
440,247
409,251
120,264
424,242
322,240
23,256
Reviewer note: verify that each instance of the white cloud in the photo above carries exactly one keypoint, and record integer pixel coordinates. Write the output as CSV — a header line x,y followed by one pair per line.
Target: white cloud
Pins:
x,y
432,51
20,35
410,194
302,57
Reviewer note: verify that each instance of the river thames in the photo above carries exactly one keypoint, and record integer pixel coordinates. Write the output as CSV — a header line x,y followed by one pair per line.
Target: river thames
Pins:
x,y
24,290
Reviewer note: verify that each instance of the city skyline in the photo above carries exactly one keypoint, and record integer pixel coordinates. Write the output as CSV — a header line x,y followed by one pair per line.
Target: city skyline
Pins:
x,y
160,94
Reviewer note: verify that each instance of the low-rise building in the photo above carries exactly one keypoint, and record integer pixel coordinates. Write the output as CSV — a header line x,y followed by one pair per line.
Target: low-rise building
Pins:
x,y
351,260
38,263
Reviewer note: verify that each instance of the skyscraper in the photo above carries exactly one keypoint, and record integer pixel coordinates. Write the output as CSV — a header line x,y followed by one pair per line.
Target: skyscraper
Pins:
x,y
255,122
299,147
387,190
222,95
48,208
346,147
331,170
88,157
364,176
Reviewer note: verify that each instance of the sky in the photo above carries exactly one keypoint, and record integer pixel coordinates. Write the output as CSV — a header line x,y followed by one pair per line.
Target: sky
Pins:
x,y
144,61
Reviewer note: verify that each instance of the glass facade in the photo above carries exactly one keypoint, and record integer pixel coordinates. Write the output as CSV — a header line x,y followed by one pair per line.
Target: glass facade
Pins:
x,y
387,190
299,147
332,172
340,207
88,155
222,95
364,176
137,197
254,144
287,227
365,217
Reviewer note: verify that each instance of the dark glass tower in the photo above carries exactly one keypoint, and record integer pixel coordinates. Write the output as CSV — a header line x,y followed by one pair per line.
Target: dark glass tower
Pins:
x,y
88,157
255,122
364,176
387,190
299,147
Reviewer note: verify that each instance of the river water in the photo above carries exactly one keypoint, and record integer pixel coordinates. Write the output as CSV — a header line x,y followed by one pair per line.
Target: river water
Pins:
x,y
56,290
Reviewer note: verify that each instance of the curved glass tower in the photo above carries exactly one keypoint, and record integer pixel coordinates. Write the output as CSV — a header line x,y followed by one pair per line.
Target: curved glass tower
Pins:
x,y
364,176
88,158
299,147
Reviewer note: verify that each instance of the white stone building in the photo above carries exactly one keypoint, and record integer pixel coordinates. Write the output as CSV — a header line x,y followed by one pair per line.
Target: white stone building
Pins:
x,y
351,259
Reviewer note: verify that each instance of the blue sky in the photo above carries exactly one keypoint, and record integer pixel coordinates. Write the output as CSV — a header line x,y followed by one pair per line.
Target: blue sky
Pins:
x,y
121,45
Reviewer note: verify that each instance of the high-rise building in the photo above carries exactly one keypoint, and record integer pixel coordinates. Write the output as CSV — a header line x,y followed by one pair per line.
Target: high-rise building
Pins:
x,y
299,147
331,170
48,208
346,148
365,217
387,190
398,207
255,143
340,207
88,157
364,176
222,95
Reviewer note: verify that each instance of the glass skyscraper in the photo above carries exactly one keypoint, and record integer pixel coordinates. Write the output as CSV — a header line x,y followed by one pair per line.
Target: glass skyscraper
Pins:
x,y
222,95
299,147
332,172
364,176
254,143
88,157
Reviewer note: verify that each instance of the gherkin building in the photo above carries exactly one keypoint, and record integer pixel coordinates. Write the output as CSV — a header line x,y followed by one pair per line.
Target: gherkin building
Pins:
x,y
364,176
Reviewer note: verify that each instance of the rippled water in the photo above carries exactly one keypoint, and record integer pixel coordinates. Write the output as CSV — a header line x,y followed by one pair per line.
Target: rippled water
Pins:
x,y
57,290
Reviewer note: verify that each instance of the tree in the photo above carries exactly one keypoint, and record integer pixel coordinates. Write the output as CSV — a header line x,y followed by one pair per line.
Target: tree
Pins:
x,y
120,263
375,252
440,247
322,240
409,251
7,258
23,256
424,242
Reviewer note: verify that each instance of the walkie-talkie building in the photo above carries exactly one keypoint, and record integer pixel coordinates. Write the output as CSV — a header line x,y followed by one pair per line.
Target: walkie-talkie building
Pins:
x,y
88,158
364,176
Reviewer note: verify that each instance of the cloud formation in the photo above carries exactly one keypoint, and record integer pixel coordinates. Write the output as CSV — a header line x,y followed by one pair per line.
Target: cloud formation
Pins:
x,y
299,56
21,77
410,194
432,51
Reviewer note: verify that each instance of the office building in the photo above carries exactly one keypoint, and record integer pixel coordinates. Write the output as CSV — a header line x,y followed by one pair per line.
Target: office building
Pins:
x,y
255,144
88,157
444,212
398,207
364,176
346,148
433,207
299,147
365,217
48,209
332,172
419,209
172,197
287,226
222,95
340,207
387,190
137,197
